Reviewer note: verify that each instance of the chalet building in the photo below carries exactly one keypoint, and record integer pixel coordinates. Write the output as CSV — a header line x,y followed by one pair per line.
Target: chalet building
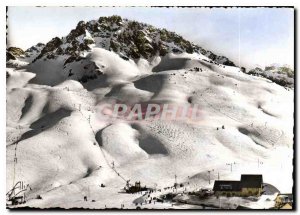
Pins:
x,y
249,185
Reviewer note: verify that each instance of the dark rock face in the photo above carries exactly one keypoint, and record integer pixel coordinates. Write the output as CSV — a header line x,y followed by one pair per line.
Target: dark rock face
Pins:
x,y
49,48
10,56
79,30
77,44
72,59
52,45
139,40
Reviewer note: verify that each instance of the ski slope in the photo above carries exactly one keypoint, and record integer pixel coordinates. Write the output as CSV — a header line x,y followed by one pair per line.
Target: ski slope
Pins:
x,y
65,151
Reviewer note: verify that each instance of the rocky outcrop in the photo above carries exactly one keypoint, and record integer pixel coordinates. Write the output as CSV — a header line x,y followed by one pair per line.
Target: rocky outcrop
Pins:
x,y
16,51
219,59
12,53
281,75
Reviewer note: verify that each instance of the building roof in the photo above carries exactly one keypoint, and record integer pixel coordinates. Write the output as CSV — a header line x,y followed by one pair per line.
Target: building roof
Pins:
x,y
251,181
227,186
247,181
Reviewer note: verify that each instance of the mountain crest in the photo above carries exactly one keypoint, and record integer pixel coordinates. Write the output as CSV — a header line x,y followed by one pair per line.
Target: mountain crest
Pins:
x,y
129,39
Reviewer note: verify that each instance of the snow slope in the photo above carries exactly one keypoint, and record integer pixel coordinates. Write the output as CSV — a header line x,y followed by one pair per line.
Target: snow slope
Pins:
x,y
65,151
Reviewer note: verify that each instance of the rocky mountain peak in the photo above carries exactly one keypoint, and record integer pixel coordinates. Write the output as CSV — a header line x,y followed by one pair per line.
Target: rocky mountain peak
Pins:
x,y
49,48
129,39
79,30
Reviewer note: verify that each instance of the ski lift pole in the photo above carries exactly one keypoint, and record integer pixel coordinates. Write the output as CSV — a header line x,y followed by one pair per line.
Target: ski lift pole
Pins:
x,y
230,164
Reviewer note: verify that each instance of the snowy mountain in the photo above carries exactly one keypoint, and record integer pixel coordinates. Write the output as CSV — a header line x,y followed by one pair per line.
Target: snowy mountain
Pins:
x,y
130,39
281,75
16,57
69,155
